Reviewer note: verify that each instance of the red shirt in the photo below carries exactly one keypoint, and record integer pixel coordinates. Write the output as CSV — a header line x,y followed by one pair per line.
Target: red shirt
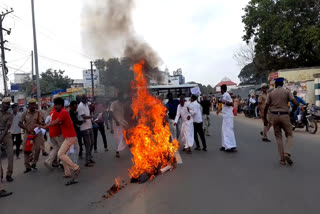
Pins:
x,y
67,125
54,131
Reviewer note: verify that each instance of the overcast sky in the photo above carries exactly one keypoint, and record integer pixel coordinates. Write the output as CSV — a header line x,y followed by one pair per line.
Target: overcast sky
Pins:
x,y
198,36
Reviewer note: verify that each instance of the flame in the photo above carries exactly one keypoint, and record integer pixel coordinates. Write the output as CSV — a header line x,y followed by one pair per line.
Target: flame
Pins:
x,y
150,140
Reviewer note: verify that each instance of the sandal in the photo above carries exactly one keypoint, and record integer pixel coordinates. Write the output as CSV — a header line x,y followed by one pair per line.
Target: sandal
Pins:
x,y
283,162
77,173
288,159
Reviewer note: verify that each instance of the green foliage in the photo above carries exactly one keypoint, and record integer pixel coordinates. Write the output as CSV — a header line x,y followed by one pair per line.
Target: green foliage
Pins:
x,y
50,81
286,34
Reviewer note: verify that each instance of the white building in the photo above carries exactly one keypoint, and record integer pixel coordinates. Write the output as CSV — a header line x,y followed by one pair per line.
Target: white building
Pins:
x,y
77,83
19,78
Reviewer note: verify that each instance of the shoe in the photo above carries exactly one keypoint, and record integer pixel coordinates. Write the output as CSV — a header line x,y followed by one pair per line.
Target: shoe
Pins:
x,y
55,165
197,149
92,161
232,150
189,151
9,178
117,155
27,170
4,193
89,165
106,149
45,154
204,149
34,167
266,140
261,133
46,164
222,149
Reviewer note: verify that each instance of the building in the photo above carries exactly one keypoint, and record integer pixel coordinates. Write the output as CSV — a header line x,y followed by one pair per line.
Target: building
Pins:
x,y
301,80
20,78
226,81
77,83
164,78
177,78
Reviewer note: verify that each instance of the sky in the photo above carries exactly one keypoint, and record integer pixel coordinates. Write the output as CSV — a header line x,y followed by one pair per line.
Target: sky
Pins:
x,y
200,37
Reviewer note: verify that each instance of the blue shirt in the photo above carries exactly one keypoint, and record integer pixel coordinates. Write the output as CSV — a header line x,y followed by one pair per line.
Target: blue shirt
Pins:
x,y
172,108
299,100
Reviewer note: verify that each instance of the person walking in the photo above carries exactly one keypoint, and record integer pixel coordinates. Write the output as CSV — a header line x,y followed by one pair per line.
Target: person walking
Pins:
x,y
206,104
172,107
6,119
187,130
16,130
99,115
277,104
69,139
197,123
117,109
55,135
228,138
86,129
31,119
261,106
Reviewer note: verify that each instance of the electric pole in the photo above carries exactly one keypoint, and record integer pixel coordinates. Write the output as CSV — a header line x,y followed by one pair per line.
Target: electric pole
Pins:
x,y
32,74
3,59
92,80
35,49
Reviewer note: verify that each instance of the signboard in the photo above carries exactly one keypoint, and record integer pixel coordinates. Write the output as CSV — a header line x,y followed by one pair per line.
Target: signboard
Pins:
x,y
196,91
87,83
273,76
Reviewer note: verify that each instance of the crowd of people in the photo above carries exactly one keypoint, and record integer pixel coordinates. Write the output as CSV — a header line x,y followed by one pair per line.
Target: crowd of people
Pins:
x,y
74,129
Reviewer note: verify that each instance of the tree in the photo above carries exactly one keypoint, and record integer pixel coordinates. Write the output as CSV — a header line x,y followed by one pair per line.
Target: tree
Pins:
x,y
245,54
286,32
50,81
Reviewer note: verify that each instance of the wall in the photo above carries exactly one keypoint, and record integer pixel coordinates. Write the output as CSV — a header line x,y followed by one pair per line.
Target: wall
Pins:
x,y
297,75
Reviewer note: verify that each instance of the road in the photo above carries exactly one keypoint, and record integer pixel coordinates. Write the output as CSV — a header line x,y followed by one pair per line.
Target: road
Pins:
x,y
250,181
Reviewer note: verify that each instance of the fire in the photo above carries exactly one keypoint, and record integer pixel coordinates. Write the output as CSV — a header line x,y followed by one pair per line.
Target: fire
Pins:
x,y
150,140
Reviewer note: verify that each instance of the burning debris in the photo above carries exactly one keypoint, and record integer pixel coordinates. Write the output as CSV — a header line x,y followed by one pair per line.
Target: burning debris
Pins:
x,y
149,140
119,185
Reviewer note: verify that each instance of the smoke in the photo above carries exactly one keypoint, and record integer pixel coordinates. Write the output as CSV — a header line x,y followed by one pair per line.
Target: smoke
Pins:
x,y
108,31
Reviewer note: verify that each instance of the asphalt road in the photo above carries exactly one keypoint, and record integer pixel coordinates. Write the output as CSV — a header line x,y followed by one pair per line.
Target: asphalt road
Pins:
x,y
250,181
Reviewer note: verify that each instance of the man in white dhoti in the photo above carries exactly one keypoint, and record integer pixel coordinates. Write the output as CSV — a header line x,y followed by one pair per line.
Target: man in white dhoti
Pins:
x,y
187,132
228,138
117,111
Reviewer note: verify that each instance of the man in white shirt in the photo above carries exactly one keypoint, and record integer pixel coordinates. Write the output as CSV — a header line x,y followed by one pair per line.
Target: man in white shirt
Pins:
x,y
86,129
187,132
228,138
197,123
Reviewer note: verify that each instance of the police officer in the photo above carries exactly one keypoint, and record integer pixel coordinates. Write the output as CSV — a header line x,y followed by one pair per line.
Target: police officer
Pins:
x,y
6,142
31,119
277,103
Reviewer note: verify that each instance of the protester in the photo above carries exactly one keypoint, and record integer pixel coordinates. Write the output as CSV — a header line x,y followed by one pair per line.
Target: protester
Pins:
x,y
76,124
31,119
56,140
117,110
206,104
6,119
69,138
197,123
277,103
187,131
44,111
228,138
16,130
172,106
99,115
295,109
261,106
108,119
86,129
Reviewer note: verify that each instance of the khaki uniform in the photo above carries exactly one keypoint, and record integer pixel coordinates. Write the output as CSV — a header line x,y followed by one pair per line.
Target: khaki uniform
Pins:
x,y
279,115
5,120
262,105
31,121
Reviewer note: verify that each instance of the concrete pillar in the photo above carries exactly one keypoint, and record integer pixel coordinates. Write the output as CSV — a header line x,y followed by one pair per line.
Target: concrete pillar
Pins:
x,y
317,88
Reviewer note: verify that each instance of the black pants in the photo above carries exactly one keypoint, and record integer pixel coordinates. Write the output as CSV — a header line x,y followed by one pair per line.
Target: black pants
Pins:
x,y
103,134
16,139
198,129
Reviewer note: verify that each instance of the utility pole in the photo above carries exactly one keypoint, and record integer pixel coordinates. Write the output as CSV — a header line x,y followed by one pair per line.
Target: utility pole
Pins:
x,y
35,49
3,59
92,80
32,74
